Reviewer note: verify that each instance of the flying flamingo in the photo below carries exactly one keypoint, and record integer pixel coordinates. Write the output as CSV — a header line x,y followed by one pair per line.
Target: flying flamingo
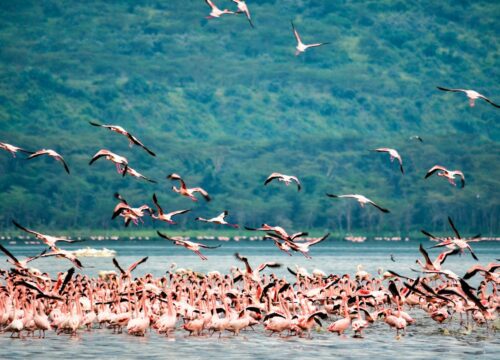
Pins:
x,y
165,217
136,174
20,264
284,178
190,245
219,219
361,199
243,9
436,264
52,154
13,149
184,191
118,129
449,174
215,12
117,159
393,155
128,273
46,239
254,274
472,95
301,47
64,254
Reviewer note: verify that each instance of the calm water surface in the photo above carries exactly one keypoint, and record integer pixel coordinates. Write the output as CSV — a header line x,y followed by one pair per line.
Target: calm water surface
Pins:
x,y
424,340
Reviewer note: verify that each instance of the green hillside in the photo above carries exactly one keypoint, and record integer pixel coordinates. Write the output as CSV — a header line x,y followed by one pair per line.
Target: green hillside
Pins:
x,y
224,105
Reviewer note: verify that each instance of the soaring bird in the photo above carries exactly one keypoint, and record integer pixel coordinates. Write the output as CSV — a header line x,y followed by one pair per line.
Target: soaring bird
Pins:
x,y
302,247
215,12
117,159
393,155
129,213
472,95
254,274
13,149
243,9
448,174
52,154
301,47
118,129
457,241
46,239
20,264
361,199
184,191
436,264
219,219
128,273
416,137
165,217
190,245
59,253
136,174
284,178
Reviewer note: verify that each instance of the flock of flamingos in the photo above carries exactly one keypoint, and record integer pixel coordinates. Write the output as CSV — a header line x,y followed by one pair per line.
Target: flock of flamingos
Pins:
x,y
246,297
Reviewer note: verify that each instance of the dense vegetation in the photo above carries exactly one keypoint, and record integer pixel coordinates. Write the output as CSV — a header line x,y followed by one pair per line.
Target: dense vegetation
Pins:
x,y
224,105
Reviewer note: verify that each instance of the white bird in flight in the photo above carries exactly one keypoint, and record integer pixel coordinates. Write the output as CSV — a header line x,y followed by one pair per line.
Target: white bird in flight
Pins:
x,y
301,47
361,199
394,155
472,95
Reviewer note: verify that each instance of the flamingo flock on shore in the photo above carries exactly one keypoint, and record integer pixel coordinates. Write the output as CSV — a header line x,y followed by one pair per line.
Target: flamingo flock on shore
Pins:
x,y
216,303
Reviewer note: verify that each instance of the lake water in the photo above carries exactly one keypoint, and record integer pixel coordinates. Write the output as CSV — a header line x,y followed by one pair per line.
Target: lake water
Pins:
x,y
423,340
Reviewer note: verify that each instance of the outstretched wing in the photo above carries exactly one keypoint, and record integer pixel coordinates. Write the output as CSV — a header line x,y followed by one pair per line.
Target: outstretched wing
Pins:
x,y
296,34
202,192
208,247
452,90
488,100
272,177
379,207
115,262
453,227
425,254
25,229
433,169
137,263
155,201
66,280
317,241
8,253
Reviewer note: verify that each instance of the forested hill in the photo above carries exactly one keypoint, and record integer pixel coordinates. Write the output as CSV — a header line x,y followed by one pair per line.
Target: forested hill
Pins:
x,y
224,105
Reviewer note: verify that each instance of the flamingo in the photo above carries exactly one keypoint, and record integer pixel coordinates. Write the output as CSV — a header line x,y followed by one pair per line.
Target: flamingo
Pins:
x,y
243,9
436,264
302,247
20,264
449,174
472,95
13,149
52,154
457,242
284,178
48,240
184,191
134,173
118,129
165,217
190,245
301,47
361,199
254,274
117,159
393,155
219,219
128,273
215,12
64,254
